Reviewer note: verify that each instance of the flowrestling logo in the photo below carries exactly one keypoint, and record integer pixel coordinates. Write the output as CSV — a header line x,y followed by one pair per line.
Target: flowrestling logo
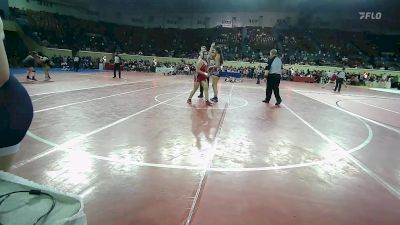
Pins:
x,y
370,15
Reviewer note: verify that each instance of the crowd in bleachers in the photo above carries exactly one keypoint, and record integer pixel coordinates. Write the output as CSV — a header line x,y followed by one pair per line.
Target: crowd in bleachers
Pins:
x,y
384,80
139,66
67,63
251,44
15,48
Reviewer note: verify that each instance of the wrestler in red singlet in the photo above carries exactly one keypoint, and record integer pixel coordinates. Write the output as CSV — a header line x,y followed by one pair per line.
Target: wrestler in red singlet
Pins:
x,y
200,76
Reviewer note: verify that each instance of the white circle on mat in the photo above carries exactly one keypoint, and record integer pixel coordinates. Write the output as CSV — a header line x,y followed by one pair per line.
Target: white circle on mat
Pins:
x,y
235,102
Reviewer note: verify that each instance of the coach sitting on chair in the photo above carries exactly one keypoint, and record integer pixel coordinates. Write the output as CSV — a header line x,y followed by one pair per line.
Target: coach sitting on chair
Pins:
x,y
273,74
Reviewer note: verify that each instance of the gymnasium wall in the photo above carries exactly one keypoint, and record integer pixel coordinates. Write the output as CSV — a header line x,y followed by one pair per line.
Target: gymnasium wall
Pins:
x,y
351,21
199,20
56,52
4,8
52,8
120,15
95,55
344,20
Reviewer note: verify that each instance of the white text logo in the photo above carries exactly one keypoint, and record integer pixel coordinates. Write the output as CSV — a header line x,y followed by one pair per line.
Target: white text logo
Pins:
x,y
370,15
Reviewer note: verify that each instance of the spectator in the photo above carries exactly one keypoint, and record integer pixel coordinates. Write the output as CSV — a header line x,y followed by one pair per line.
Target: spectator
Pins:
x,y
76,63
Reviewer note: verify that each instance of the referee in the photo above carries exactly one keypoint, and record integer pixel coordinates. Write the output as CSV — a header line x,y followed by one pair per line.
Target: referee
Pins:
x,y
341,78
273,74
117,65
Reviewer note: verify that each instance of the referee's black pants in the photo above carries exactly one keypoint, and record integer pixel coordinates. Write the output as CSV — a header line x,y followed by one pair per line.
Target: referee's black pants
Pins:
x,y
339,83
273,82
117,66
76,66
